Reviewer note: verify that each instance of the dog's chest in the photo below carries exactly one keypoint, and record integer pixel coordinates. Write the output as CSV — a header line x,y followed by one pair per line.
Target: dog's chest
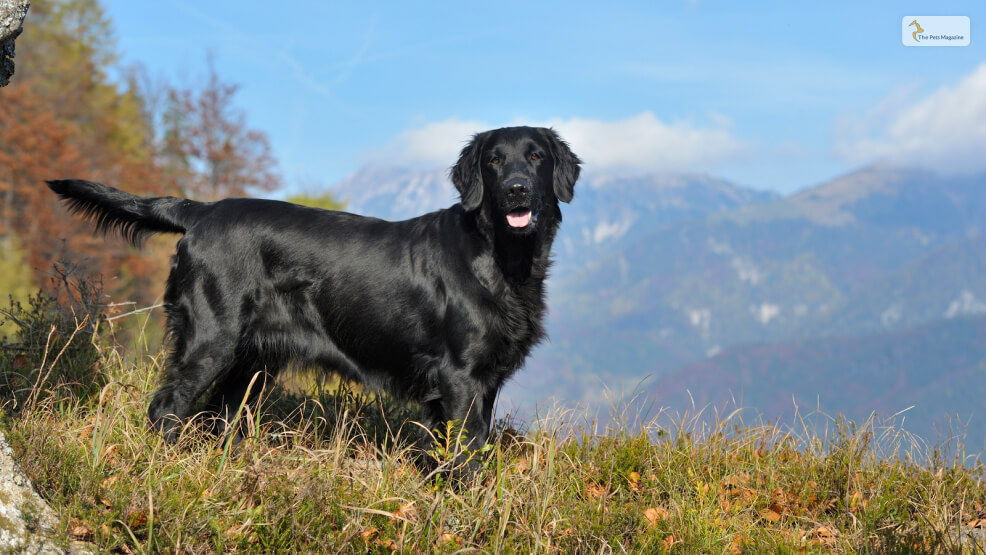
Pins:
x,y
517,326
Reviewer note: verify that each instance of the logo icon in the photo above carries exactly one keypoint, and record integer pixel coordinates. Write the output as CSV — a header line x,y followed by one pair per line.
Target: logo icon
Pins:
x,y
935,30
919,30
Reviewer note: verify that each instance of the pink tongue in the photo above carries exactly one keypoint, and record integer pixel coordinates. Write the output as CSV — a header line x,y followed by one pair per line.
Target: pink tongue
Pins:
x,y
519,219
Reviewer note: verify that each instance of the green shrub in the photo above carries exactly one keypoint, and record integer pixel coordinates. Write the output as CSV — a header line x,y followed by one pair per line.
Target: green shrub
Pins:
x,y
51,354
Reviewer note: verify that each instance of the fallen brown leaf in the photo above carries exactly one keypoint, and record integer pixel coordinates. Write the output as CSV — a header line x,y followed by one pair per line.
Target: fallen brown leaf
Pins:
x,y
772,513
594,490
448,537
824,532
655,515
857,502
523,465
737,496
369,533
79,530
737,545
743,494
137,519
822,535
406,512
736,480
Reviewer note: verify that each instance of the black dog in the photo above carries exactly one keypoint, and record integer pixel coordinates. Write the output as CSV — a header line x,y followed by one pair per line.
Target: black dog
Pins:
x,y
440,309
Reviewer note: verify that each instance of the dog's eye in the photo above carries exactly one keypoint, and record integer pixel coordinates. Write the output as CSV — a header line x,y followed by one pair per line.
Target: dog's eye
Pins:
x,y
535,156
495,160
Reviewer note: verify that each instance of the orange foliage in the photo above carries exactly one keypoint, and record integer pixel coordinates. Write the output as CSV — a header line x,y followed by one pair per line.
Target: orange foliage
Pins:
x,y
209,147
39,144
62,117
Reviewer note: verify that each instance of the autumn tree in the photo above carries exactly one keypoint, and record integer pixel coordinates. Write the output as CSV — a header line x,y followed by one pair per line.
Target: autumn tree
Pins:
x,y
209,147
62,116
324,200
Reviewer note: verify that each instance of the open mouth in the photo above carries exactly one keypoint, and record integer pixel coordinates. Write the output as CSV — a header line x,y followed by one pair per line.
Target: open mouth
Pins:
x,y
519,218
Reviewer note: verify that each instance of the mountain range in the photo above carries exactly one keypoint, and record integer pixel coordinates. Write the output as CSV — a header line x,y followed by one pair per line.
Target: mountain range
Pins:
x,y
693,282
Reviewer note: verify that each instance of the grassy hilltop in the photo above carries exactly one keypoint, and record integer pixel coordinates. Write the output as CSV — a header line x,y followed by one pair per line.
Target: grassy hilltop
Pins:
x,y
321,472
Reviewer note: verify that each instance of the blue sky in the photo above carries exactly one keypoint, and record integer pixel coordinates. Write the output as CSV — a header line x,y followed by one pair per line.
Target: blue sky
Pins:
x,y
773,95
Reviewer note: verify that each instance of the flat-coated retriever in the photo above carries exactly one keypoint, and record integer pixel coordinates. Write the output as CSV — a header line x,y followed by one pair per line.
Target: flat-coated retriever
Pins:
x,y
440,309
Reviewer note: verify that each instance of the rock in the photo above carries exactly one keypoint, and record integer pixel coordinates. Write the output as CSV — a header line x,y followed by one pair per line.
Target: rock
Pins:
x,y
27,523
12,13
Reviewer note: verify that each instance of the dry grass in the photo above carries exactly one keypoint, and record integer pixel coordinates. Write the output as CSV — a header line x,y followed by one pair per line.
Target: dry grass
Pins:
x,y
323,473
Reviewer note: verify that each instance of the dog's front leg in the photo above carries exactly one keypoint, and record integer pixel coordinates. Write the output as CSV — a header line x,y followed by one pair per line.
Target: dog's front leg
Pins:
x,y
472,411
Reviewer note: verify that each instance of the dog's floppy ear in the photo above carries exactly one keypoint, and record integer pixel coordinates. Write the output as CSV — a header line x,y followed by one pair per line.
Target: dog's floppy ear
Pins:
x,y
467,174
566,166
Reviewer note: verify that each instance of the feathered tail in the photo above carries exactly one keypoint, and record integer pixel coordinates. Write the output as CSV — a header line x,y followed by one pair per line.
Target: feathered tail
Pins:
x,y
133,217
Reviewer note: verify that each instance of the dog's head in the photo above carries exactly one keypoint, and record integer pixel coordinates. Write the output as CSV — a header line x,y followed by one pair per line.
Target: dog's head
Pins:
x,y
518,173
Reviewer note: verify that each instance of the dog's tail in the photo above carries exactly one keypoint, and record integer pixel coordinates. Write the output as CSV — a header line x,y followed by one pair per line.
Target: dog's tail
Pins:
x,y
132,216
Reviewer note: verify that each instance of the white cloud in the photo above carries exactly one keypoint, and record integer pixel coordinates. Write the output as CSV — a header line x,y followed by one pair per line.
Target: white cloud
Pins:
x,y
638,143
945,131
434,144
643,142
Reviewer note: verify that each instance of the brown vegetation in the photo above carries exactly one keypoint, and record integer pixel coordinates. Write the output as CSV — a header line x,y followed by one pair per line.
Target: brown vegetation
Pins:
x,y
65,117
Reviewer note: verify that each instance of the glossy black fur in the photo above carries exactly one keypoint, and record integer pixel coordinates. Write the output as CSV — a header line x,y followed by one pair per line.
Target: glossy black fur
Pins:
x,y
440,309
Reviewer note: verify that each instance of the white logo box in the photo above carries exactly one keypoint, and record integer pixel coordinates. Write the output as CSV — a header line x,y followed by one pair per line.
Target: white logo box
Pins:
x,y
935,30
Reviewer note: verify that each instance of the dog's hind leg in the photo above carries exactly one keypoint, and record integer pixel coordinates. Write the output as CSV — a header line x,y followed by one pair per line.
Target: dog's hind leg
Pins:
x,y
185,381
202,350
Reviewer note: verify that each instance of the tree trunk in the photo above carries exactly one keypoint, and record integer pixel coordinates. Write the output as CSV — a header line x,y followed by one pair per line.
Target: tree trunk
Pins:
x,y
12,14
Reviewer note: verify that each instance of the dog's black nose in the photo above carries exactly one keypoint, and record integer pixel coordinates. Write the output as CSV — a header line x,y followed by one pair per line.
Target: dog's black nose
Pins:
x,y
518,188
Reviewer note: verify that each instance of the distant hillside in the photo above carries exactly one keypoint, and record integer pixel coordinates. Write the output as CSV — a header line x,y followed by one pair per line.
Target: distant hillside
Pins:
x,y
395,193
885,196
858,254
611,212
939,369
945,283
